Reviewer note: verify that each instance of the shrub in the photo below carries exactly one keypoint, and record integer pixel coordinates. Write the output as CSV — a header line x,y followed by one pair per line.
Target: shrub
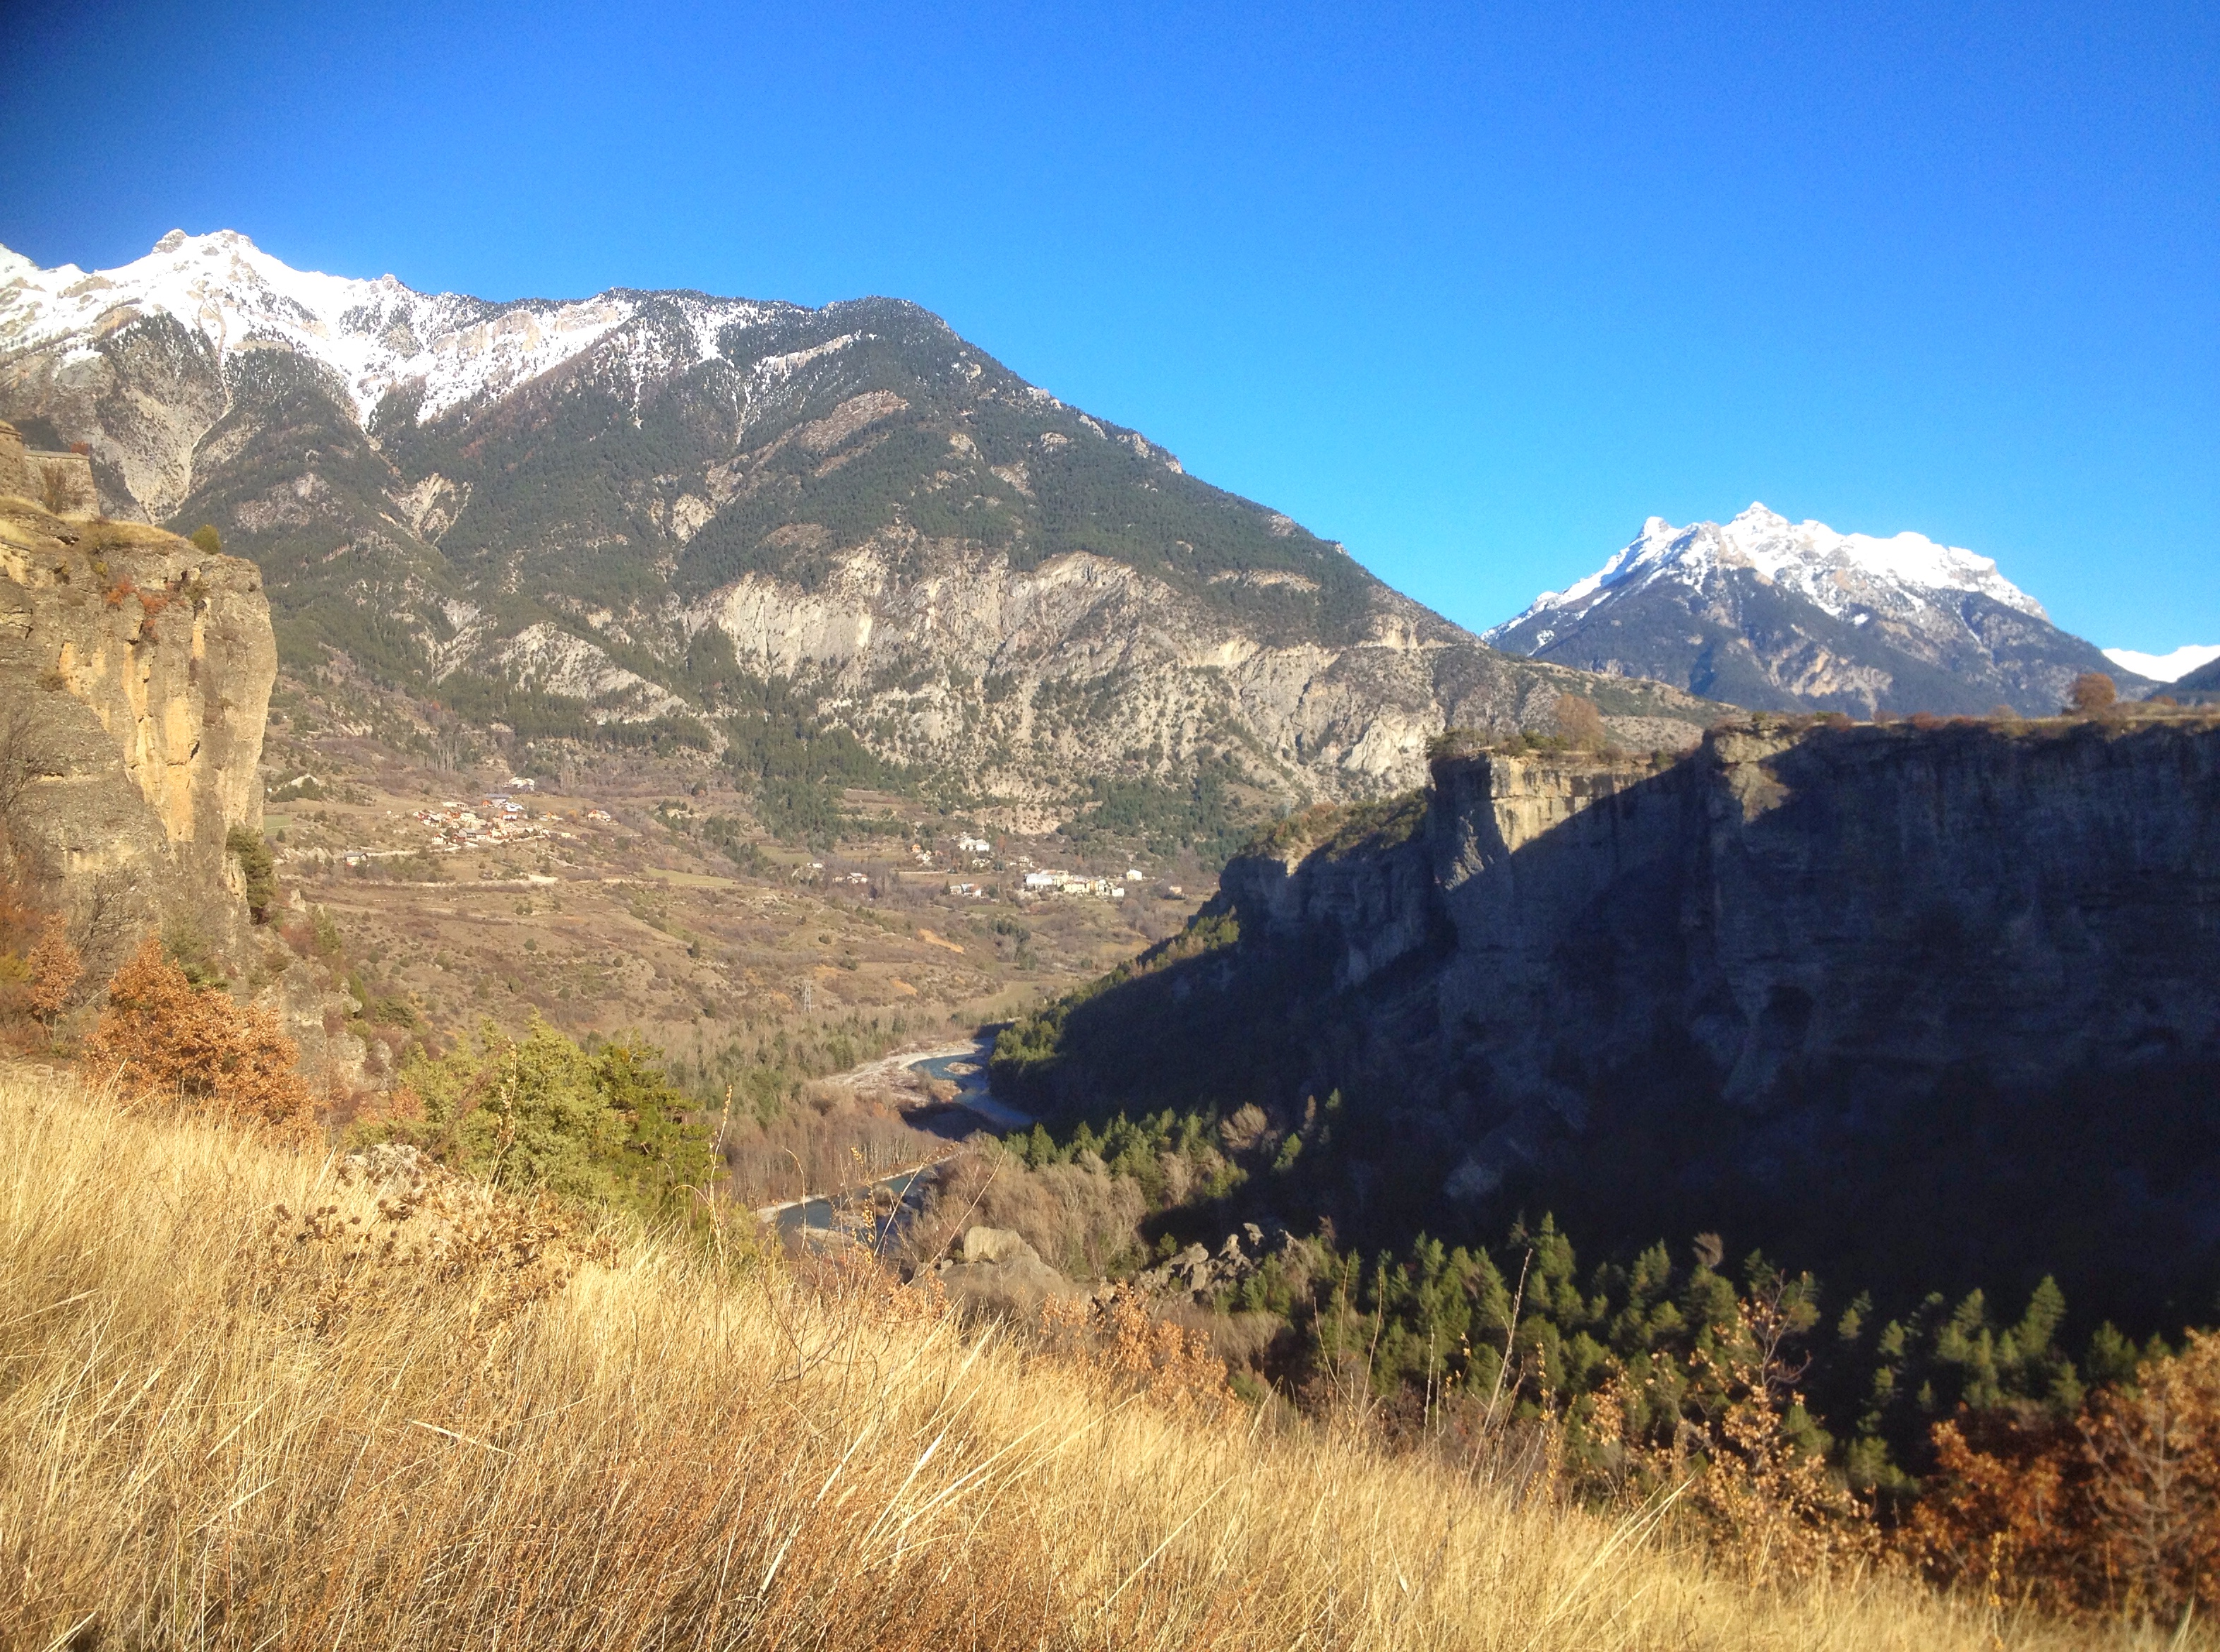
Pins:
x,y
164,1036
539,1113
55,969
208,539
2116,1509
1116,1340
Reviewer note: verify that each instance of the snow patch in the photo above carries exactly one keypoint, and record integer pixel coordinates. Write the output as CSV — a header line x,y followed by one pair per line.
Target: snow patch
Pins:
x,y
374,336
2169,667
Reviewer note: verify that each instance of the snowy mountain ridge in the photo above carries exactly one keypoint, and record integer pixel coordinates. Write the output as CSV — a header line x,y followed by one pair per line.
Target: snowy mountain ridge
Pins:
x,y
1840,573
632,514
1767,613
373,336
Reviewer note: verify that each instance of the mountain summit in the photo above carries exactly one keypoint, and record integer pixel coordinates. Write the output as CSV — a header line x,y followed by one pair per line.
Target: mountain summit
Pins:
x,y
752,527
366,339
1768,613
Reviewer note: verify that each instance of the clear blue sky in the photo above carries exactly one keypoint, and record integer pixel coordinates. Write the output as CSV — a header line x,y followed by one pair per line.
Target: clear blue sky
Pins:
x,y
1473,289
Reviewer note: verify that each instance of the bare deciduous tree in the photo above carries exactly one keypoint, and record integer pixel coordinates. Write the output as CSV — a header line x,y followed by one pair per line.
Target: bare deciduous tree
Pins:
x,y
2092,693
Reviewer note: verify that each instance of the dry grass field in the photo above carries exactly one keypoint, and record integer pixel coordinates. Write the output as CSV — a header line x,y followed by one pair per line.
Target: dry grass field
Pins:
x,y
253,1400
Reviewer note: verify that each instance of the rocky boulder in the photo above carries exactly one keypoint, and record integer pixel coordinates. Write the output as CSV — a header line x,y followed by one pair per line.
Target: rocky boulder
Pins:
x,y
996,1272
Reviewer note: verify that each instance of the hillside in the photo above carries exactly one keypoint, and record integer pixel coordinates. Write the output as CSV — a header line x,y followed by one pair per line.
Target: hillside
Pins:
x,y
435,1416
2199,687
756,529
1763,613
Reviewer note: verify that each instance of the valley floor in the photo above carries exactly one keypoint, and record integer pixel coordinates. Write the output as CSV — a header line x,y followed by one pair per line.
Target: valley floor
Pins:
x,y
254,1398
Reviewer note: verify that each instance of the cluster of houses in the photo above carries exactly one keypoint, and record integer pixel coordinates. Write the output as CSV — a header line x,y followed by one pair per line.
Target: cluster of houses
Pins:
x,y
499,819
1051,882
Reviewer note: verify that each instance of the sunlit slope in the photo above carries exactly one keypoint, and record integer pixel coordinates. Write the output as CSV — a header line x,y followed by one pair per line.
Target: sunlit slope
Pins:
x,y
250,1402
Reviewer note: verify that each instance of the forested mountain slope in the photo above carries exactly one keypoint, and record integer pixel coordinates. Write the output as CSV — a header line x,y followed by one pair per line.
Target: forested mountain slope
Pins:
x,y
735,521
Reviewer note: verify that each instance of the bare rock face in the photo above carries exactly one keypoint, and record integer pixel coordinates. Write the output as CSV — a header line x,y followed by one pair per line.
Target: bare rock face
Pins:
x,y
136,668
1928,1006
2024,902
1019,677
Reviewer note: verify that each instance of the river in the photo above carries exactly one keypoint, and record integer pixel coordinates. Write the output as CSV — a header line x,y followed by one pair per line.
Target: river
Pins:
x,y
963,1065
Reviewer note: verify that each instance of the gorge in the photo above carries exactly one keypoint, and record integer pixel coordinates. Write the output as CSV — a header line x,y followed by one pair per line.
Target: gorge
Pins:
x,y
1923,1004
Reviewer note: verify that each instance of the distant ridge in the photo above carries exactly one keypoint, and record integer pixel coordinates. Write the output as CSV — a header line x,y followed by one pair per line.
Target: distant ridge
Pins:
x,y
1773,614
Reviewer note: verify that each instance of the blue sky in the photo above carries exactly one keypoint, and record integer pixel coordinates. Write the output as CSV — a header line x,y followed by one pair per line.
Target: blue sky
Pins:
x,y
1473,289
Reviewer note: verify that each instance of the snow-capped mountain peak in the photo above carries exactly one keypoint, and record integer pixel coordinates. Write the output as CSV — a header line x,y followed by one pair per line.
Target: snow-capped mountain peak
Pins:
x,y
1761,611
1841,573
373,335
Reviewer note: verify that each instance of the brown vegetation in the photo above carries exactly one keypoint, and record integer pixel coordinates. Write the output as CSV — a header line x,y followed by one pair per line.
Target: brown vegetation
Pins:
x,y
2115,1510
832,1141
162,1036
254,1398
1580,724
54,970
2093,695
1078,1221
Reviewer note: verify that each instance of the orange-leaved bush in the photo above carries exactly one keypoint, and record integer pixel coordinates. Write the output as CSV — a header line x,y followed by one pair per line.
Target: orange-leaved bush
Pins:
x,y
1116,1339
2116,1510
55,969
163,1035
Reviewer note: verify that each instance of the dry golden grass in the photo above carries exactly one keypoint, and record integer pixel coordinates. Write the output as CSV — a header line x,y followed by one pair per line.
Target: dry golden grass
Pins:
x,y
233,1414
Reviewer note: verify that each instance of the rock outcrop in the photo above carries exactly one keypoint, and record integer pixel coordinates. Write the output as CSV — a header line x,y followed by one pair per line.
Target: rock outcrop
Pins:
x,y
1929,998
995,1271
62,482
136,671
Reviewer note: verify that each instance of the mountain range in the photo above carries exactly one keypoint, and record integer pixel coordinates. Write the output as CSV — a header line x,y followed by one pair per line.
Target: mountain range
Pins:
x,y
1773,614
732,523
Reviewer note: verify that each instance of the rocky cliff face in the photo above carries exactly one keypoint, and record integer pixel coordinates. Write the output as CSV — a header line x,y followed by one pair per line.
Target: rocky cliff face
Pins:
x,y
137,671
1936,998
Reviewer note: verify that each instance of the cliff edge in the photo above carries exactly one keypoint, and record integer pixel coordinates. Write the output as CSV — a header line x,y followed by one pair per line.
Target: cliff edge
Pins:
x,y
1929,1003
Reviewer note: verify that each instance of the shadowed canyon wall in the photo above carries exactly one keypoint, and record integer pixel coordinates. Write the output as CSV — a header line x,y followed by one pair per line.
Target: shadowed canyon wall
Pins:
x,y
1929,1003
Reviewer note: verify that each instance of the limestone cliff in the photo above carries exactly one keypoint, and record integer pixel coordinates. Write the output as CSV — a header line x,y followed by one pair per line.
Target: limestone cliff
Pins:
x,y
1933,999
137,670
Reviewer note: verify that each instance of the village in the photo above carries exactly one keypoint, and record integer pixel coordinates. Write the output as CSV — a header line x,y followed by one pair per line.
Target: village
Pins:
x,y
496,819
